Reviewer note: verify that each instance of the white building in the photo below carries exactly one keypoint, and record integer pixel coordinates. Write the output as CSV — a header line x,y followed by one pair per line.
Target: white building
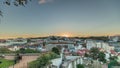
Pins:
x,y
99,44
51,45
90,43
107,47
107,56
14,48
69,61
13,41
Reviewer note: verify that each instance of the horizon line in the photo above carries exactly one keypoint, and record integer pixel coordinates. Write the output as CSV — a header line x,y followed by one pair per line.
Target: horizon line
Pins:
x,y
14,37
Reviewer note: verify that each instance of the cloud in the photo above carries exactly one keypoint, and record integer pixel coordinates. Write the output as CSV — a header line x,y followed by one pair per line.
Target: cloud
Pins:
x,y
44,1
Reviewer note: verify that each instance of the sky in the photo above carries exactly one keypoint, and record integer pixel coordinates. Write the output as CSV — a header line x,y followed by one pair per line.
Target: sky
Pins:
x,y
61,17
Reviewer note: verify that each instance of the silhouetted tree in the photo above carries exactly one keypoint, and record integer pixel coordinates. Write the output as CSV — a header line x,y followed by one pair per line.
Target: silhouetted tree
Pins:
x,y
18,57
14,2
56,50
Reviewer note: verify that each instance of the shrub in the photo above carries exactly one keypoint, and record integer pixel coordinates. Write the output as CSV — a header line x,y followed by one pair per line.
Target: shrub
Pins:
x,y
22,50
43,60
80,66
56,50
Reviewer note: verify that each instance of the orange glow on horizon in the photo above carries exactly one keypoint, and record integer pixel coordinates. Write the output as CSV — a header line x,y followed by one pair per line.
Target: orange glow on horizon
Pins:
x,y
45,35
65,35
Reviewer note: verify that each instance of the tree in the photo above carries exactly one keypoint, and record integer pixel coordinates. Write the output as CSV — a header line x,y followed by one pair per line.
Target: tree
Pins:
x,y
80,66
56,50
113,63
113,57
22,50
28,40
43,60
15,3
94,53
18,57
53,38
101,57
4,50
86,55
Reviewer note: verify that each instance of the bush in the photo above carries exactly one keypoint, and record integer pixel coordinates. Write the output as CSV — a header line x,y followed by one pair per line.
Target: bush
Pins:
x,y
22,50
101,57
43,60
5,50
113,63
94,53
18,57
34,64
80,66
56,50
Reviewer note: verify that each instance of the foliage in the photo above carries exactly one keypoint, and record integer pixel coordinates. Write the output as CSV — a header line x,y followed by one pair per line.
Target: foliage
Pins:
x,y
113,57
43,60
80,66
113,63
94,53
28,40
18,57
101,57
5,63
103,38
4,50
86,55
22,50
34,64
56,50
15,3
1,13
53,38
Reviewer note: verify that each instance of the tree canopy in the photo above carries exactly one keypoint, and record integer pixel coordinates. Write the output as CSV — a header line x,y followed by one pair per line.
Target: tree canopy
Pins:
x,y
43,60
56,50
14,2
80,66
94,52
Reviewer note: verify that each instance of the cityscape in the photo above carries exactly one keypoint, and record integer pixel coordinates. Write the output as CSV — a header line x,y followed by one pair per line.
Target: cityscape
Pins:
x,y
59,34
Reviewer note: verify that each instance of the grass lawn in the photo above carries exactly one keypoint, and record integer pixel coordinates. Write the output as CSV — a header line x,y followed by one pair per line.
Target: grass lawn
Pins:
x,y
5,63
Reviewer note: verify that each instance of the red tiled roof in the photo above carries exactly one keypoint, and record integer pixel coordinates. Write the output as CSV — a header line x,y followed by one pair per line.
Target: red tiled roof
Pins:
x,y
112,52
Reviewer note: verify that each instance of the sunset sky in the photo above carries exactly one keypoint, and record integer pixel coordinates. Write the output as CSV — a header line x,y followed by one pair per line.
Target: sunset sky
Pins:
x,y
61,17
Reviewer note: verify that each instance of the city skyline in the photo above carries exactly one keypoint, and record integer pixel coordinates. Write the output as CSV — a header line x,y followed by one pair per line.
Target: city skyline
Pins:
x,y
61,18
